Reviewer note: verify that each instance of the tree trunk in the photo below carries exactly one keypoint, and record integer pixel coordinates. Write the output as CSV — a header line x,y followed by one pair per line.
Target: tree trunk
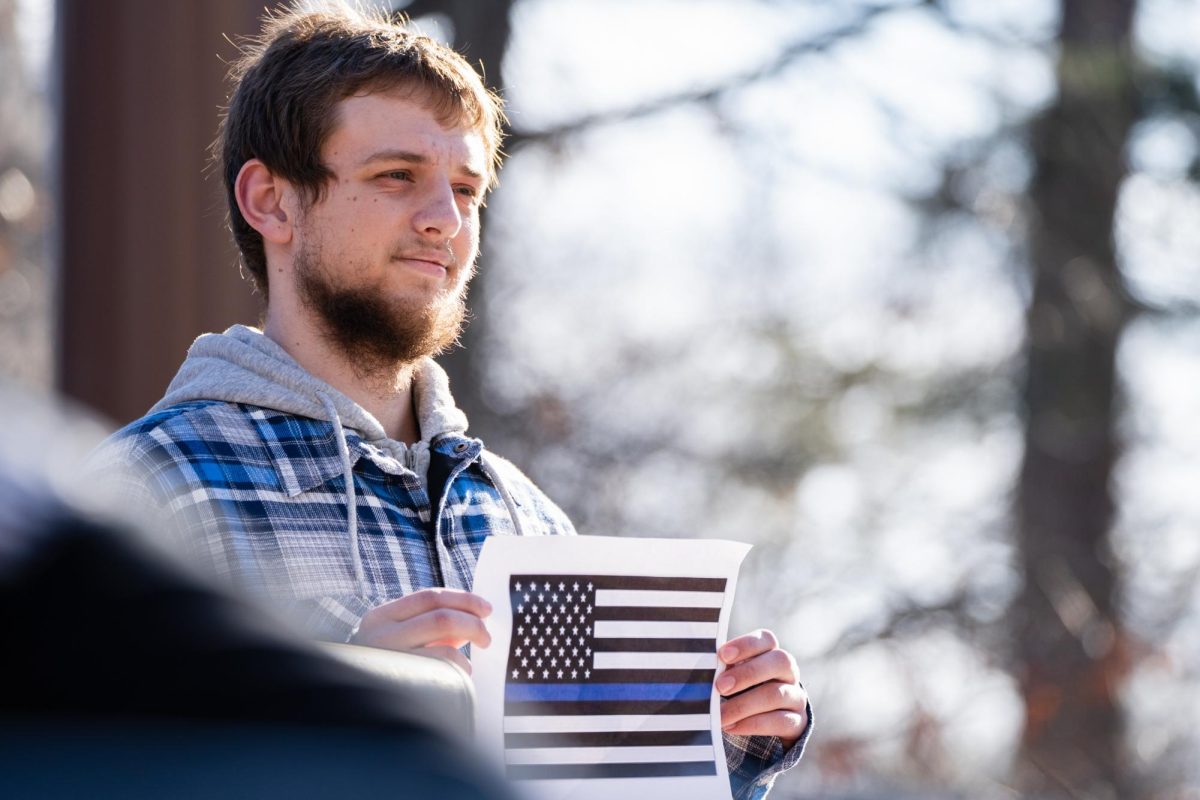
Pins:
x,y
1067,637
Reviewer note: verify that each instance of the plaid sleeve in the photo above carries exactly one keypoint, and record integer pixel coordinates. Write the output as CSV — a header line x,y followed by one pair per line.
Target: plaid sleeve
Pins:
x,y
121,478
756,761
330,618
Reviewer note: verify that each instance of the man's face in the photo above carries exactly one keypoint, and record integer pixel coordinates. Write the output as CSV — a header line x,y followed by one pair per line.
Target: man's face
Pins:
x,y
383,260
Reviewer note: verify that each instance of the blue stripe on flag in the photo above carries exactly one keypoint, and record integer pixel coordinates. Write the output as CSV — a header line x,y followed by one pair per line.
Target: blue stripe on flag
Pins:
x,y
535,692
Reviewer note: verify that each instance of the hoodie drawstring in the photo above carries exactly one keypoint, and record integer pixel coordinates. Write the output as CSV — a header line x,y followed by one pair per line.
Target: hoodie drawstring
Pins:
x,y
509,503
352,499
351,493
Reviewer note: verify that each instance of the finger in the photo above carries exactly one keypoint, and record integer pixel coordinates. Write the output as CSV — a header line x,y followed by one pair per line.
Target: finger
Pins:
x,y
787,725
456,643
427,600
442,626
774,665
748,646
764,699
445,627
453,655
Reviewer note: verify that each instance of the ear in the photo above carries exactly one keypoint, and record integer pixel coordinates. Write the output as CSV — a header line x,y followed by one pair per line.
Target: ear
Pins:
x,y
266,201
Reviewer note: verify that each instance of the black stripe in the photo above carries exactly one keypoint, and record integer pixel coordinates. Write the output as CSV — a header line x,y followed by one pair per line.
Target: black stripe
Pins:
x,y
572,707
652,676
657,614
534,583
605,645
519,741
543,772
645,582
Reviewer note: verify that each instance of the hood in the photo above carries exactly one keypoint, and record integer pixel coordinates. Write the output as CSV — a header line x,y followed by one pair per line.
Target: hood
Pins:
x,y
242,365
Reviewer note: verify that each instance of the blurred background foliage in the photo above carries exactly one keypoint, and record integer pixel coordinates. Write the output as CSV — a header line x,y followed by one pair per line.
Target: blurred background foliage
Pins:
x,y
25,200
903,293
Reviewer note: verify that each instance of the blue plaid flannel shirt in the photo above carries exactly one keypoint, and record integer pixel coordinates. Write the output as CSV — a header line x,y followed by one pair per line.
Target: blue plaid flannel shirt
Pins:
x,y
258,496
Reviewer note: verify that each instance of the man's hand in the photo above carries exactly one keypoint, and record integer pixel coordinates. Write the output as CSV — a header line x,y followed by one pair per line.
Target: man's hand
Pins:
x,y
432,622
770,700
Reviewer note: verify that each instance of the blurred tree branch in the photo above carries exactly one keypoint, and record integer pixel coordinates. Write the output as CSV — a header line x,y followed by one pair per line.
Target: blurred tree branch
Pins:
x,y
906,618
823,42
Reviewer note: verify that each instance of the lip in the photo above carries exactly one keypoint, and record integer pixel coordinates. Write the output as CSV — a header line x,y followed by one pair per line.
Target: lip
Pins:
x,y
430,265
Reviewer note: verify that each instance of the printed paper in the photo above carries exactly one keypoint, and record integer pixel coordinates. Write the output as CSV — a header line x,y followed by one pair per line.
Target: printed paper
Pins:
x,y
599,680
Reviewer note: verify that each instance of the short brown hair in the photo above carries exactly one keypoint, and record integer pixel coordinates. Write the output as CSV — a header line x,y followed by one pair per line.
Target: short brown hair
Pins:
x,y
289,78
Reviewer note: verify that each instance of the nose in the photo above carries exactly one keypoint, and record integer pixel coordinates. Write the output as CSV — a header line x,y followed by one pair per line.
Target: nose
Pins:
x,y
438,214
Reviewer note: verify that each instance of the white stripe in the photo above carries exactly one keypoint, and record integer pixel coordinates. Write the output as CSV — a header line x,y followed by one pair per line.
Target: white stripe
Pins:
x,y
642,629
654,661
608,755
600,723
655,598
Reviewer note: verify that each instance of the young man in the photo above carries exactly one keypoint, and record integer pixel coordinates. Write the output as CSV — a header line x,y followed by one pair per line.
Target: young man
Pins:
x,y
321,461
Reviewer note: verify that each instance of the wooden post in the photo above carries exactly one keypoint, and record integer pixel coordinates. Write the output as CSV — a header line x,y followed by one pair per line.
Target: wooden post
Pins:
x,y
146,263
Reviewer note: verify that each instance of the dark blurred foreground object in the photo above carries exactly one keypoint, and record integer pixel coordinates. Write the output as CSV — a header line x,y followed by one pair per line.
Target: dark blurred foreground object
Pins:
x,y
125,676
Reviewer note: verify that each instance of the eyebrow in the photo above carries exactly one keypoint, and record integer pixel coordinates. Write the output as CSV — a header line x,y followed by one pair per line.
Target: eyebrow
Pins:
x,y
415,158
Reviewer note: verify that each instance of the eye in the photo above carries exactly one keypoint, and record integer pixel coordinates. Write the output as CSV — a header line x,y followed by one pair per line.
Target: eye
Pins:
x,y
466,190
398,175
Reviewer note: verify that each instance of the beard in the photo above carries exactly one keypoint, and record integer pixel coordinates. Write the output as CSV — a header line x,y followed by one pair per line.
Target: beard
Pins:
x,y
377,333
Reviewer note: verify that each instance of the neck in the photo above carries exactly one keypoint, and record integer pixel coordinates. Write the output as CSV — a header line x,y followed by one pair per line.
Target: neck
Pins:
x,y
384,391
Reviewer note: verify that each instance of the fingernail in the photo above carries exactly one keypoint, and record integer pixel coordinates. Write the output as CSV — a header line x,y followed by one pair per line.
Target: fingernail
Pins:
x,y
729,652
725,683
